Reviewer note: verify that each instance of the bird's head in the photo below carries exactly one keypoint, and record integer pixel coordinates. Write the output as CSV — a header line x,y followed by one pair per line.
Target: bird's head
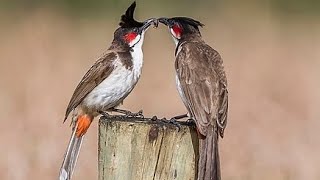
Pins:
x,y
181,27
131,32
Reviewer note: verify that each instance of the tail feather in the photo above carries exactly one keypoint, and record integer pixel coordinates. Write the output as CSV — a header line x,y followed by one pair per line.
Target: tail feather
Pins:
x,y
209,162
71,156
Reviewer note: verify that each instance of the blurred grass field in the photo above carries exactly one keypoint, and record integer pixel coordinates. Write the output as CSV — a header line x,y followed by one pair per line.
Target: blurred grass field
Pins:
x,y
272,61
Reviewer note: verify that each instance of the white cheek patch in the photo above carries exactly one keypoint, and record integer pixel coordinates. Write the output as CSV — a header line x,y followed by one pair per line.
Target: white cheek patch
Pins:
x,y
135,40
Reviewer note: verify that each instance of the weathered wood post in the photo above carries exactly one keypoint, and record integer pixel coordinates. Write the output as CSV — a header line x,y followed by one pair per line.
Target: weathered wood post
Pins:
x,y
145,149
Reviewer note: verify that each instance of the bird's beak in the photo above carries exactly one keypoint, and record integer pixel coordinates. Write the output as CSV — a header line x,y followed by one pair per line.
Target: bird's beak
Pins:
x,y
164,21
147,23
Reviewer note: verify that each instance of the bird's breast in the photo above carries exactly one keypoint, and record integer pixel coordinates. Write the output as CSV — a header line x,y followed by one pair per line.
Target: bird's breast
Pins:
x,y
117,86
181,93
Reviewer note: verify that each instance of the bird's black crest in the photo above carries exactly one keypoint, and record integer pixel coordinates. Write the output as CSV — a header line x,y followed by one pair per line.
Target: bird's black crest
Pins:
x,y
127,20
189,21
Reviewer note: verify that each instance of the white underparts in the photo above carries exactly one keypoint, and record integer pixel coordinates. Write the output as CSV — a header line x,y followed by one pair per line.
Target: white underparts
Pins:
x,y
111,92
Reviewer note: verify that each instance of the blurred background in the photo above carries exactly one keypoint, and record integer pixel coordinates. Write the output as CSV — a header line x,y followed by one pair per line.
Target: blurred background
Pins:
x,y
271,52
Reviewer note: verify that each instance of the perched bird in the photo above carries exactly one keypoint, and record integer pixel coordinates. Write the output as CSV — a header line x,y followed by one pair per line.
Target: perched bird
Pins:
x,y
106,84
202,85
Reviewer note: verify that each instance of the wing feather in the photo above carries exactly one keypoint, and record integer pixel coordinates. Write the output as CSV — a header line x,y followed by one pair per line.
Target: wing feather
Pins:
x,y
203,82
99,71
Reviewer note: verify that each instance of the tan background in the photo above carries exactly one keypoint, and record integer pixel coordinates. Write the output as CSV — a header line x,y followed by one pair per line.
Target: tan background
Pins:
x,y
272,59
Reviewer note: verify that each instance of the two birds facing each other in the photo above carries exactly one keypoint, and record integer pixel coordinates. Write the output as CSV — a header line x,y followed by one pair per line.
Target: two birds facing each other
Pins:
x,y
200,80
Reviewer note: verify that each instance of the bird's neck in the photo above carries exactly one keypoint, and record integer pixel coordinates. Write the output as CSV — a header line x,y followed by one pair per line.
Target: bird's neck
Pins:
x,y
191,38
137,57
186,39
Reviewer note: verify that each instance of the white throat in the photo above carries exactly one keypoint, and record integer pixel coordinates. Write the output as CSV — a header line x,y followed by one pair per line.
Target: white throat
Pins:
x,y
137,56
175,40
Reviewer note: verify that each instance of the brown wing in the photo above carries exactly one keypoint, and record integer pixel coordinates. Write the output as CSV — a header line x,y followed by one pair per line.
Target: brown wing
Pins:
x,y
99,71
204,85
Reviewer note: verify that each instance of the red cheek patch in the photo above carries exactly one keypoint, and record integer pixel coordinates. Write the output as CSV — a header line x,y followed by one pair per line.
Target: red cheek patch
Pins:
x,y
177,30
130,36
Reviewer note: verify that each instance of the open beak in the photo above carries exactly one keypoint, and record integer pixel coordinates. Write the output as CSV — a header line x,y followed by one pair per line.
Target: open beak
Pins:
x,y
147,23
164,21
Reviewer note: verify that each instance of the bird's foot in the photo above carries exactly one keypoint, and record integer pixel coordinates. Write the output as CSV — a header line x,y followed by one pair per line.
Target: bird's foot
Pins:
x,y
132,114
190,122
105,114
128,113
175,122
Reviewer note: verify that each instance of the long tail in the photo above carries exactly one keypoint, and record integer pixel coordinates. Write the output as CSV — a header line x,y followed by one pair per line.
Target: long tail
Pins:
x,y
72,153
209,162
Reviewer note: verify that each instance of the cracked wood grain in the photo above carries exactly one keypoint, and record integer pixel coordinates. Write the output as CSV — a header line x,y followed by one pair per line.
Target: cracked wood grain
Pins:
x,y
142,149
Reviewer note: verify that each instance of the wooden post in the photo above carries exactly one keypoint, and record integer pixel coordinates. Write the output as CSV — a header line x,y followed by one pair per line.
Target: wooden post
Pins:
x,y
145,149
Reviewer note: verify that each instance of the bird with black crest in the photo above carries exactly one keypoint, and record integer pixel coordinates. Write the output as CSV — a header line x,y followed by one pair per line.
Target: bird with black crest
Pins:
x,y
202,85
106,84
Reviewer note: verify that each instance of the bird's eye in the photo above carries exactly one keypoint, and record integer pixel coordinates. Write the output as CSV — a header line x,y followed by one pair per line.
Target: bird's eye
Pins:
x,y
129,37
176,31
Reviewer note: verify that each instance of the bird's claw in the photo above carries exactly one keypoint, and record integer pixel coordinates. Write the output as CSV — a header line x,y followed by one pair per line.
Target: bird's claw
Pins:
x,y
190,122
103,113
137,114
154,118
176,123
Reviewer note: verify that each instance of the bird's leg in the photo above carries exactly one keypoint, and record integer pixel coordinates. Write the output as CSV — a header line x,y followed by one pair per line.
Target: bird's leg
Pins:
x,y
106,114
174,121
179,117
128,113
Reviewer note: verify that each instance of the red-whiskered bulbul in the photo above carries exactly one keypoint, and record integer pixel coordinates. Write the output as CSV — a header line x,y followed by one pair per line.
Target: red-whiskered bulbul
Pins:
x,y
106,84
202,85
